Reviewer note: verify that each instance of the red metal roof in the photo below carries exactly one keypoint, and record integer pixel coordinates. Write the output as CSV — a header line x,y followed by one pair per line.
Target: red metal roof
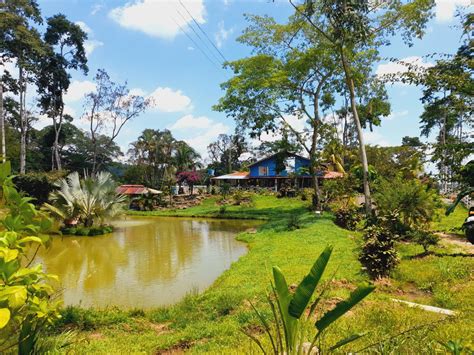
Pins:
x,y
332,175
131,189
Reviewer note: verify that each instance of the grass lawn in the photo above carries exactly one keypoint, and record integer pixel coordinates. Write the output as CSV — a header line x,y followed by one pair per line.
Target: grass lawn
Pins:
x,y
211,322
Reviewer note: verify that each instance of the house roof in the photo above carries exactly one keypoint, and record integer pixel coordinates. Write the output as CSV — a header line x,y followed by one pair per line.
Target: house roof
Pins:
x,y
135,190
237,175
271,156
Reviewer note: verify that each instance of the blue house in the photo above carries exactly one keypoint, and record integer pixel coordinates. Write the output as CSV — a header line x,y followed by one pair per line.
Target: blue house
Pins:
x,y
275,171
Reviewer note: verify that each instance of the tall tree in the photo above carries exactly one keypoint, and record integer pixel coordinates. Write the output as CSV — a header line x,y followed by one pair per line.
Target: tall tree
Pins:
x,y
186,158
284,85
21,43
65,51
108,109
356,27
225,152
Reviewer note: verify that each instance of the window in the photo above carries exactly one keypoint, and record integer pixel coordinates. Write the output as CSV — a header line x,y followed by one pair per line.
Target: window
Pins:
x,y
262,171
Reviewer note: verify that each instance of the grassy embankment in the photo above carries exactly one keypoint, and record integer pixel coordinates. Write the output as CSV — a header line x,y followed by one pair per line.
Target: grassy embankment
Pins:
x,y
210,322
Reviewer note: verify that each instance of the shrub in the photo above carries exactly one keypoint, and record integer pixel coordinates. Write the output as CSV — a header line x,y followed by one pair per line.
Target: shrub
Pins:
x,y
241,197
425,238
347,217
222,209
294,314
26,305
378,255
38,185
412,202
294,222
87,231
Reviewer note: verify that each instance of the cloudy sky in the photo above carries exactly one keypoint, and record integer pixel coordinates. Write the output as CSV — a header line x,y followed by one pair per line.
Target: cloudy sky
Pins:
x,y
157,48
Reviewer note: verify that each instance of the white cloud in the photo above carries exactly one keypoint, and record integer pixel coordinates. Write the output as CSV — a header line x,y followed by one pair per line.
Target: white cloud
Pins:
x,y
189,121
446,9
169,100
96,8
92,44
222,34
375,138
78,89
395,68
190,48
10,67
200,141
84,27
394,115
158,18
137,92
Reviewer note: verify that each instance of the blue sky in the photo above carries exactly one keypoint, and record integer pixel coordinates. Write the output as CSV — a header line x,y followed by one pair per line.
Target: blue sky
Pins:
x,y
140,42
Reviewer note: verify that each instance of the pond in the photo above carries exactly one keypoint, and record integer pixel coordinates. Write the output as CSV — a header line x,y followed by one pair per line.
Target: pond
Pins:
x,y
146,262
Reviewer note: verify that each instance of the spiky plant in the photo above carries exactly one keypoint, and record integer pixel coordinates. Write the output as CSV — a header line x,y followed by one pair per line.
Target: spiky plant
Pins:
x,y
86,199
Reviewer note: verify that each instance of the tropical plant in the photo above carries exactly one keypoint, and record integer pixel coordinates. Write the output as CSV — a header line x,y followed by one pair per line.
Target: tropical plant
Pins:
x,y
188,177
424,238
85,200
347,217
293,222
378,255
414,203
26,303
287,333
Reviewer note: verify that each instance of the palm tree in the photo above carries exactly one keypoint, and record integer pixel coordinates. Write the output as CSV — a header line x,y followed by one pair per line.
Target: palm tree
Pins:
x,y
186,158
86,200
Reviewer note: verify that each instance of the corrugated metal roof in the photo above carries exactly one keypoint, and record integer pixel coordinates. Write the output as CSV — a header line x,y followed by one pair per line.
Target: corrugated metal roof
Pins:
x,y
238,175
135,190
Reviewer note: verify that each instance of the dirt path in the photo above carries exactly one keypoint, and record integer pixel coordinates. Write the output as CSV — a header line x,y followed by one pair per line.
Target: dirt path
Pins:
x,y
457,241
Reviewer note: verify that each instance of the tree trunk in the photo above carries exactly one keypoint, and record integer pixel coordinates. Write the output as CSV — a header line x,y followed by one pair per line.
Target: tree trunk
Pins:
x,y
2,125
363,155
57,131
22,92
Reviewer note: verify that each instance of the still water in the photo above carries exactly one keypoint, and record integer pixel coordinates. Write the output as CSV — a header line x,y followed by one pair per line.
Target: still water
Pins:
x,y
146,262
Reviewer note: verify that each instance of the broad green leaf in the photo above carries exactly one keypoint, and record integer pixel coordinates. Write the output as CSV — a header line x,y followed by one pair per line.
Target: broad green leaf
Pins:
x,y
346,341
284,299
306,288
18,298
8,254
30,239
343,307
4,317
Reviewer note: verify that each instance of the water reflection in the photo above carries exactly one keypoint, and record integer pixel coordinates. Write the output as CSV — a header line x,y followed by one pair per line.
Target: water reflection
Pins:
x,y
146,262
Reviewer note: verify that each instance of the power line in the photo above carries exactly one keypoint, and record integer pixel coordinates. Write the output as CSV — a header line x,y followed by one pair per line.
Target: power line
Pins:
x,y
204,32
200,38
197,45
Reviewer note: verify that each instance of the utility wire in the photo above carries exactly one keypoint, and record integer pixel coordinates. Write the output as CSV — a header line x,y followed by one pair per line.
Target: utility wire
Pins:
x,y
197,45
204,32
200,38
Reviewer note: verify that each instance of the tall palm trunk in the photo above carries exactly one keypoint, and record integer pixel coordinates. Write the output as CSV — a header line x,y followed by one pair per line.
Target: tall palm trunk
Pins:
x,y
2,124
23,123
363,154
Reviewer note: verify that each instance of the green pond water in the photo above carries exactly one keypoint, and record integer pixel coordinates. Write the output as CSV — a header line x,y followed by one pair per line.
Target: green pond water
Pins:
x,y
146,262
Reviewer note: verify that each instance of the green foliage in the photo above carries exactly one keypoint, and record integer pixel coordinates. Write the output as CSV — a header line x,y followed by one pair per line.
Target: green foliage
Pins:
x,y
425,238
86,200
225,189
241,198
38,185
87,231
286,332
414,203
378,255
294,222
26,302
347,217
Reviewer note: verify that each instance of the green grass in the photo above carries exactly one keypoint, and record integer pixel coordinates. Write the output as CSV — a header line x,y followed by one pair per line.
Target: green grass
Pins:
x,y
451,223
210,322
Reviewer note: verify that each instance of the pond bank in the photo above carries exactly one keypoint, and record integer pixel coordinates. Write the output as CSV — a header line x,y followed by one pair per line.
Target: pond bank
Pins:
x,y
210,322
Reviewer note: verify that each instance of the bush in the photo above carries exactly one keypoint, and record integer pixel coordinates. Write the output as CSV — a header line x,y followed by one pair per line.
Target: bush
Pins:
x,y
413,203
241,197
347,217
87,231
38,184
378,255
294,222
425,238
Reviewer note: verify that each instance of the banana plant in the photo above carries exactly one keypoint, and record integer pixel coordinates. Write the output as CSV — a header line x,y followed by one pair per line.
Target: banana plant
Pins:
x,y
286,334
